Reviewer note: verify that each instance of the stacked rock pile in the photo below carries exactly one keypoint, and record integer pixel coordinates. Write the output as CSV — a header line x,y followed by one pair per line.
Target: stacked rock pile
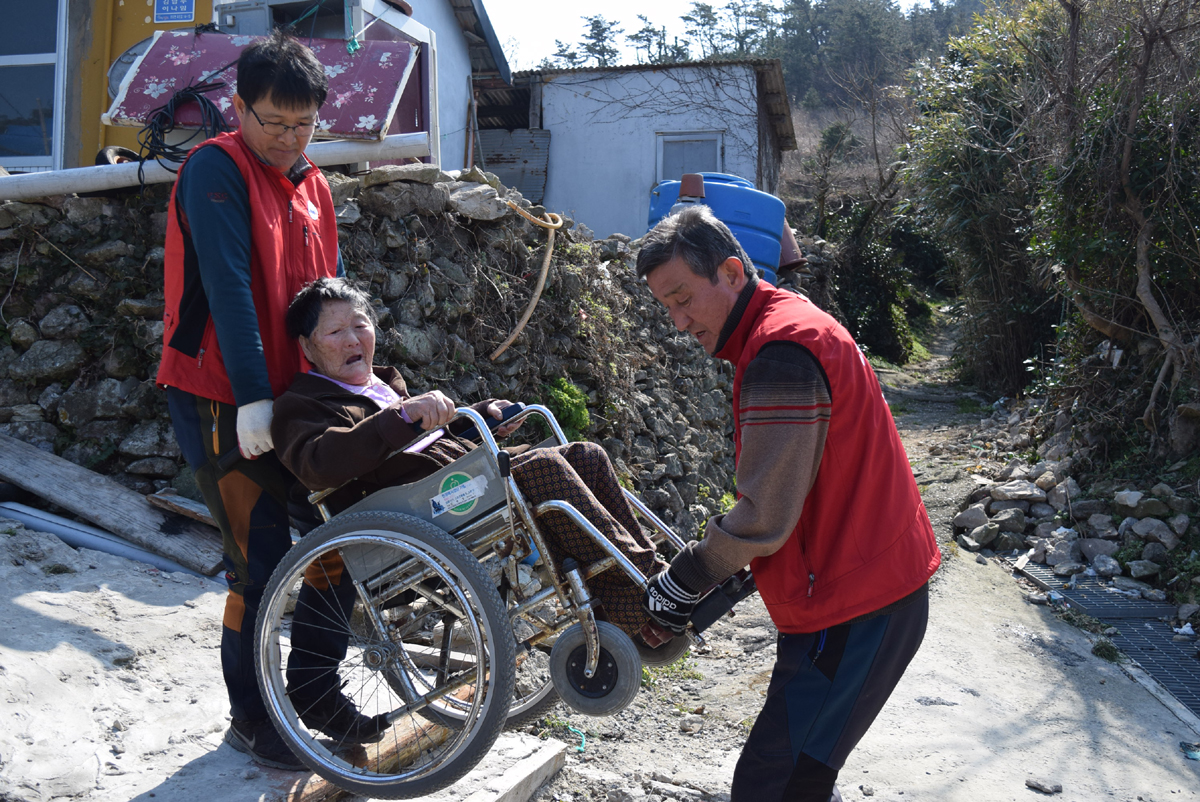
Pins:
x,y
453,268
1115,531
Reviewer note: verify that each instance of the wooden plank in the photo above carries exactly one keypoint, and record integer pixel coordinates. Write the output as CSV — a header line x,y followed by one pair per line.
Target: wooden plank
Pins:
x,y
395,750
109,505
170,500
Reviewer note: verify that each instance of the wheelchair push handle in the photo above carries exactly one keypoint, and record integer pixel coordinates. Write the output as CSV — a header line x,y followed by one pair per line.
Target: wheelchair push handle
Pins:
x,y
722,599
509,411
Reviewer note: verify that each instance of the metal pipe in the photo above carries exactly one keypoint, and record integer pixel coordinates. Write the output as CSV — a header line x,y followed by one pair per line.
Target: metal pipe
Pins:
x,y
587,618
655,521
533,601
88,537
115,176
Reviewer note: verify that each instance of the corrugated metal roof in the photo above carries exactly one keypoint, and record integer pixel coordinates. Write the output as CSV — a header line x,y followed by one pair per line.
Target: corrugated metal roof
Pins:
x,y
502,106
751,62
486,54
771,89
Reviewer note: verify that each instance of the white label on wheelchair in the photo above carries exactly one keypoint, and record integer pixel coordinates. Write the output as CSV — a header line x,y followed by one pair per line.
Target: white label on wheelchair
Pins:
x,y
460,493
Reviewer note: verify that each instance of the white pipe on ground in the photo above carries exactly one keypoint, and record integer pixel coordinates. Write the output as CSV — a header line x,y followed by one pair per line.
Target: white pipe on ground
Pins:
x,y
80,535
114,176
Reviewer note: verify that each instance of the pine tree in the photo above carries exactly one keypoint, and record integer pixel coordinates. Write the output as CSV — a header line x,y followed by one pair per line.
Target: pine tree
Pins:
x,y
598,41
649,39
704,26
563,56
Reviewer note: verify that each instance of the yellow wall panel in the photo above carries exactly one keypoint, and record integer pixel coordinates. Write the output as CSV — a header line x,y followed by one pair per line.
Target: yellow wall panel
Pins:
x,y
117,25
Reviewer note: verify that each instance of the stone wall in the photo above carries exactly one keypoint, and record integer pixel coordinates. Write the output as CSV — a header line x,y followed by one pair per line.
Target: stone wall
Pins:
x,y
452,267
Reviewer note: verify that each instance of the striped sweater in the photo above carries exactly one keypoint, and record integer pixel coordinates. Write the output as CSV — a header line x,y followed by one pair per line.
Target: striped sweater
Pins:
x,y
782,421
828,513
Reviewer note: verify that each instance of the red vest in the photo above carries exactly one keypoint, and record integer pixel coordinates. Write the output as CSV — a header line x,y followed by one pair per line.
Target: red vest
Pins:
x,y
293,232
864,539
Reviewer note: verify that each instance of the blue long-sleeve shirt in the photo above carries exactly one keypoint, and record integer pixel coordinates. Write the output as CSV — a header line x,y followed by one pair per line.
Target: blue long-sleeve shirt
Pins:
x,y
215,202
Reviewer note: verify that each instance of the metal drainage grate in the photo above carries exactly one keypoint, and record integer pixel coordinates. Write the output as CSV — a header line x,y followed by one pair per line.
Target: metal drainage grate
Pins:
x,y
1091,597
1173,663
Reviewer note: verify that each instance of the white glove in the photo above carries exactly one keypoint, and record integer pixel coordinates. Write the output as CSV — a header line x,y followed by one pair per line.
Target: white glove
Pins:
x,y
254,428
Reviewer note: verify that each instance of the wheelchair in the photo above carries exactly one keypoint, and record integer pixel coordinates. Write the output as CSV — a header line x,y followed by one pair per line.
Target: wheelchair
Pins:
x,y
448,622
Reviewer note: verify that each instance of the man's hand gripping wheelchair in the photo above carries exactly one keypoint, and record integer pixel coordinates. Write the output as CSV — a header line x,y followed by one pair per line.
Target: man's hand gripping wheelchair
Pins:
x,y
433,608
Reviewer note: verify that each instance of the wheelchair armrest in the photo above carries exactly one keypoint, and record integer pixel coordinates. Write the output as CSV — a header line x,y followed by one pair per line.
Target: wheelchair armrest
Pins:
x,y
722,598
472,432
463,412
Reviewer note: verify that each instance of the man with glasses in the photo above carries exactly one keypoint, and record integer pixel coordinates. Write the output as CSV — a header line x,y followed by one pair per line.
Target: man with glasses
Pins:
x,y
251,221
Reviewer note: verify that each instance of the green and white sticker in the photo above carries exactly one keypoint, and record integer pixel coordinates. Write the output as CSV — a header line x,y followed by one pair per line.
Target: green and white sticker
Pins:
x,y
460,493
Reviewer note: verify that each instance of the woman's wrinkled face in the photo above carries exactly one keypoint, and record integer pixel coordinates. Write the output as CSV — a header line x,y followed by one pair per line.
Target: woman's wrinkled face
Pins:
x,y
343,343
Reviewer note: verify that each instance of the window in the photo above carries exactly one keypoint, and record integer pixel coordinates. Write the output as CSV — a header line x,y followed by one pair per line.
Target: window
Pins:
x,y
31,84
689,152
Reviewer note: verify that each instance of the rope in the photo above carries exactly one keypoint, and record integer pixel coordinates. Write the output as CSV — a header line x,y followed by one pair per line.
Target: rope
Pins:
x,y
582,739
549,222
552,222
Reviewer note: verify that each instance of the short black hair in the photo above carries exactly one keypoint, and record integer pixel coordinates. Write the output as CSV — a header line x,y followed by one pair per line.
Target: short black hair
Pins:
x,y
696,236
305,309
279,65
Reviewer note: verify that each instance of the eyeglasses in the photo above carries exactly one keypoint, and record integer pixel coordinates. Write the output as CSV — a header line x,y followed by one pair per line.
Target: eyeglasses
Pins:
x,y
279,129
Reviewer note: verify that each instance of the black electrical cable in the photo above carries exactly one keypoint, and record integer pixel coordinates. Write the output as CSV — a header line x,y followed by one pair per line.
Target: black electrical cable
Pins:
x,y
161,122
152,140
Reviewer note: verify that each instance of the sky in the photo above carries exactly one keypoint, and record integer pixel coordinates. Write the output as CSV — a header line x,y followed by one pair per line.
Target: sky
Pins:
x,y
527,30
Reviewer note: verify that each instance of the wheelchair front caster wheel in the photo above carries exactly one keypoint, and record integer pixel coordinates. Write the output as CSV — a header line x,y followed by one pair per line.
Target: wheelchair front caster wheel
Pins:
x,y
663,655
618,673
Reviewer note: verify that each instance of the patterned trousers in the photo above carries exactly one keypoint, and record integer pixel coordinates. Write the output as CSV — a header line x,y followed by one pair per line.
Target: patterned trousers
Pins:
x,y
581,474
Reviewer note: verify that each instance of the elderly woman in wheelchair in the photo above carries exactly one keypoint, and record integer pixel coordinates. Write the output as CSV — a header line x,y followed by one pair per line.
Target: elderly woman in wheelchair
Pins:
x,y
459,584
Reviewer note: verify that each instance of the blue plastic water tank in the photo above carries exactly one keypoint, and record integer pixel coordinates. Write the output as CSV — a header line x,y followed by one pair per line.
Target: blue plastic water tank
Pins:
x,y
755,218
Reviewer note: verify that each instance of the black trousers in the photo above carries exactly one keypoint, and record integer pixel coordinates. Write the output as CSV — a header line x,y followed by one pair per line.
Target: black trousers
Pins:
x,y
826,690
249,504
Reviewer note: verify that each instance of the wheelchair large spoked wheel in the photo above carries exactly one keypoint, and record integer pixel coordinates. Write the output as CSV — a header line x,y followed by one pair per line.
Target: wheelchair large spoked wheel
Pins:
x,y
533,696
392,614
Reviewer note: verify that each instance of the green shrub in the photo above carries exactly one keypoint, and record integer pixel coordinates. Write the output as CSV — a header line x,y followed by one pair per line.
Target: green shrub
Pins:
x,y
965,161
1106,650
871,283
569,404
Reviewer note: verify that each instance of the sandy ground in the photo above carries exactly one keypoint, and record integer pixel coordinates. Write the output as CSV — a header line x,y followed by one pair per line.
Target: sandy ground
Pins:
x,y
111,691
1000,692
111,685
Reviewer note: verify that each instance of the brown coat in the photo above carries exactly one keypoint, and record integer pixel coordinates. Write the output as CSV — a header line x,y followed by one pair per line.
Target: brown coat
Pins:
x,y
327,436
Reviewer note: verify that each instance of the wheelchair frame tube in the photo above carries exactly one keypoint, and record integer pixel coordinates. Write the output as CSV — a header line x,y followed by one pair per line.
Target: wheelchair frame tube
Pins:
x,y
583,523
654,520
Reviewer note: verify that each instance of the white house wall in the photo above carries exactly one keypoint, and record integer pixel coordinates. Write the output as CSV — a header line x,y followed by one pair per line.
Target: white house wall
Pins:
x,y
603,135
454,71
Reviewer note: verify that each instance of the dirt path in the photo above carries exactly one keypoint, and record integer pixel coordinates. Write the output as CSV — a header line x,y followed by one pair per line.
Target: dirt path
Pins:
x,y
1001,691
